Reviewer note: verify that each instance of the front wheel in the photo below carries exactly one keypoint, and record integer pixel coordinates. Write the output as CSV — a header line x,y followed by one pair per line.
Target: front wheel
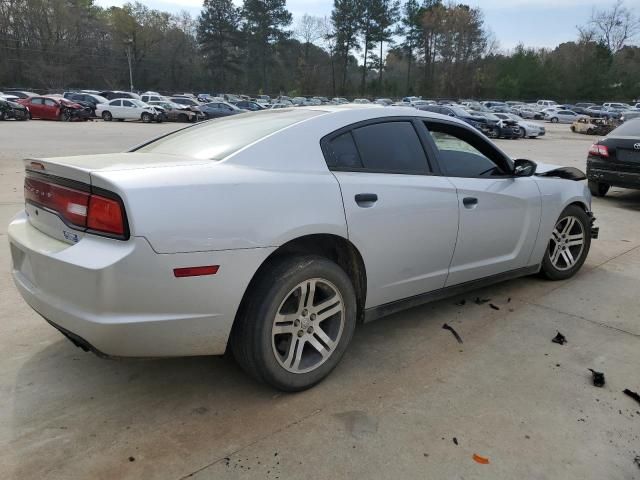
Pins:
x,y
292,333
569,244
523,132
146,117
554,120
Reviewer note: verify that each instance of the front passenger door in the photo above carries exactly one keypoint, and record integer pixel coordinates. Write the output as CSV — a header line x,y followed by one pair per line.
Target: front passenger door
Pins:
x,y
401,217
499,213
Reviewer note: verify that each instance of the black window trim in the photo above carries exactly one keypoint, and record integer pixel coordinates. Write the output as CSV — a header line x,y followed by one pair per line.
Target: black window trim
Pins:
x,y
442,166
433,166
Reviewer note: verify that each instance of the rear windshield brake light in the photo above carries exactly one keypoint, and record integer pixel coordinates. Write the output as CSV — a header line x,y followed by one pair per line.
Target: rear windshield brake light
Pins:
x,y
78,207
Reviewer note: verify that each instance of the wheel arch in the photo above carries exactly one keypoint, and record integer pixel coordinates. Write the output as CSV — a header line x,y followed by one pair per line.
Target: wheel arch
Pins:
x,y
334,247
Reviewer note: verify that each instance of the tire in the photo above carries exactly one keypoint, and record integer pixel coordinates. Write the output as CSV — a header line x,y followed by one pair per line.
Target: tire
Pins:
x,y
2,116
591,131
523,132
106,116
65,116
598,189
183,118
562,259
265,355
573,129
554,120
146,117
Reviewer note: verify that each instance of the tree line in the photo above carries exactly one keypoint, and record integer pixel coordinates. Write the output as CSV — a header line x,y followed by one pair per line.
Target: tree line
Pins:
x,y
365,48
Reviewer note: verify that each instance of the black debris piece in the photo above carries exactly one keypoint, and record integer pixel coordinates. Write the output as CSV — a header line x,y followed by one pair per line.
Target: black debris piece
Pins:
x,y
455,334
560,339
597,377
632,394
132,459
455,440
461,302
480,301
509,300
495,307
637,461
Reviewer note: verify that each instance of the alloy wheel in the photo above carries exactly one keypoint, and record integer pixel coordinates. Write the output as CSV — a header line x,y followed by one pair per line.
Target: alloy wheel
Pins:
x,y
308,325
567,243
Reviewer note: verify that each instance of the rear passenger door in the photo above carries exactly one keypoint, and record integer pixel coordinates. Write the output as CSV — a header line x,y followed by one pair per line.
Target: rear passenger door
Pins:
x,y
400,215
499,213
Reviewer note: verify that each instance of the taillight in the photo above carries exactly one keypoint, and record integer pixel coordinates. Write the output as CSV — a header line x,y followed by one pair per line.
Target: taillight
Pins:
x,y
599,150
77,207
105,215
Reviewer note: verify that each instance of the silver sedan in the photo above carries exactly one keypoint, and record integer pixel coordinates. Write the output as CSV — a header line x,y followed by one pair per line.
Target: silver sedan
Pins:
x,y
274,233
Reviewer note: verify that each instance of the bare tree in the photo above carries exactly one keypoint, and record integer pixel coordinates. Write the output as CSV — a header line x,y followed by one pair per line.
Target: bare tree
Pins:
x,y
613,28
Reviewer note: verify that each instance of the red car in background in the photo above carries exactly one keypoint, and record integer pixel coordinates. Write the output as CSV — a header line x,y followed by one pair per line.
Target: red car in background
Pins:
x,y
48,108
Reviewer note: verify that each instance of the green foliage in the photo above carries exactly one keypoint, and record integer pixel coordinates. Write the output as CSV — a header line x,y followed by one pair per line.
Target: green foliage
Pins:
x,y
443,49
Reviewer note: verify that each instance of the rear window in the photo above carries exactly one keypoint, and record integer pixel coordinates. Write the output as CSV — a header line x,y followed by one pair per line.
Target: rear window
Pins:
x,y
630,128
217,139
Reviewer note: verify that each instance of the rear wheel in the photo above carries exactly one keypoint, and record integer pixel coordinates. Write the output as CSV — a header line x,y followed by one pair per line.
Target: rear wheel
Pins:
x,y
293,332
523,132
598,189
569,244
106,116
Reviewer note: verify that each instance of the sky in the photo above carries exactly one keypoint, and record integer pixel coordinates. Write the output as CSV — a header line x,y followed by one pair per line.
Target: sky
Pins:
x,y
535,23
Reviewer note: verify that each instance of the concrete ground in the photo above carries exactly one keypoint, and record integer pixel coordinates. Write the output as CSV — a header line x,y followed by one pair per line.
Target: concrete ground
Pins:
x,y
406,402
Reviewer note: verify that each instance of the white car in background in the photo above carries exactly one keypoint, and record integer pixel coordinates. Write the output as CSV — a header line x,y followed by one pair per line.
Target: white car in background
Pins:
x,y
128,109
561,116
527,129
274,233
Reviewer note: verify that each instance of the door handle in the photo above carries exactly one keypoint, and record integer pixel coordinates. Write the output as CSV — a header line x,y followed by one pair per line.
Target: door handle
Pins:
x,y
470,202
366,200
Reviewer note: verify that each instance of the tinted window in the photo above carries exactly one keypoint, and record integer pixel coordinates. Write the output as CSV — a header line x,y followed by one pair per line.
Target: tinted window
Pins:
x,y
392,147
127,103
37,101
463,154
342,152
630,128
49,103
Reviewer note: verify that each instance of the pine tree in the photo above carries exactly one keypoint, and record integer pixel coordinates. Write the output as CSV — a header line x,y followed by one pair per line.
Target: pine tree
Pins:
x,y
219,36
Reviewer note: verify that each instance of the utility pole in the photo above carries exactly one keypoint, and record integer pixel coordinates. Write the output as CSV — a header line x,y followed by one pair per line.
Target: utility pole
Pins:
x,y
128,43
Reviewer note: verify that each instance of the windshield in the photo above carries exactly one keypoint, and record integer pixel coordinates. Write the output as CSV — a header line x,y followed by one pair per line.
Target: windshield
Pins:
x,y
217,139
137,103
460,112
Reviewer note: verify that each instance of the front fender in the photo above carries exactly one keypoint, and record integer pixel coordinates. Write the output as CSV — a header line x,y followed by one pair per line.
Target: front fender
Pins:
x,y
556,195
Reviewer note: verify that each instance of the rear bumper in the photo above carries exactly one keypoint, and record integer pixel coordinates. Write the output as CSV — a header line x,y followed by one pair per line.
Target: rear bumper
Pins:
x,y
121,298
615,178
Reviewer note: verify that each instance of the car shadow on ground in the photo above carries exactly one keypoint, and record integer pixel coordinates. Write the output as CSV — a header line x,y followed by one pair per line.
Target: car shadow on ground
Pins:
x,y
623,198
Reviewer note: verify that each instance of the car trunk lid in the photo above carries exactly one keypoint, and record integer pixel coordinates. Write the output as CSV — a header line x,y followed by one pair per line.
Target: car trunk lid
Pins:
x,y
59,191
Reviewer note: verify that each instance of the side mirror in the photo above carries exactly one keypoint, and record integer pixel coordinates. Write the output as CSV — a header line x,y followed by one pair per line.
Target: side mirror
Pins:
x,y
524,168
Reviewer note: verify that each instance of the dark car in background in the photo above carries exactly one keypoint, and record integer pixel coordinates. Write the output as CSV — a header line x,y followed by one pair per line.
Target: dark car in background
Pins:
x,y
248,105
219,109
9,109
475,121
113,94
614,161
86,100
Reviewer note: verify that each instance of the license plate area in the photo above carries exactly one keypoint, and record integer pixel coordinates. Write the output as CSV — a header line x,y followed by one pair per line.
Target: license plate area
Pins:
x,y
628,156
